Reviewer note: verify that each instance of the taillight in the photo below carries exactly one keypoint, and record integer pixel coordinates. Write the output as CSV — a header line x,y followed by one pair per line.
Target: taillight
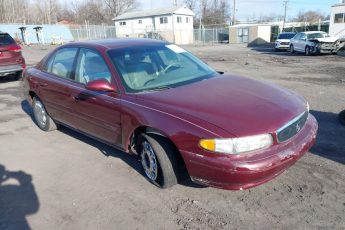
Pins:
x,y
15,48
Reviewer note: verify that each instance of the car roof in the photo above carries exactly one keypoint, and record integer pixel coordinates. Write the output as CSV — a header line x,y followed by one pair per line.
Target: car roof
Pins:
x,y
287,33
117,43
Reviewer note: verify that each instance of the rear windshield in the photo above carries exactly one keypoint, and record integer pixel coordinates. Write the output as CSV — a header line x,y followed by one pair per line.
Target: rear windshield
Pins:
x,y
6,39
286,36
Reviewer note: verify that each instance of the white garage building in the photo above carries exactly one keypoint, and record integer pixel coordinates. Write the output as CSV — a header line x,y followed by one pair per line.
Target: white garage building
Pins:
x,y
337,21
174,24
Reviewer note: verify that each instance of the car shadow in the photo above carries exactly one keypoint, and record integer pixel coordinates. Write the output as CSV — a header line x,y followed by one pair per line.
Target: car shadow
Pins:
x,y
6,79
330,138
270,50
130,159
18,199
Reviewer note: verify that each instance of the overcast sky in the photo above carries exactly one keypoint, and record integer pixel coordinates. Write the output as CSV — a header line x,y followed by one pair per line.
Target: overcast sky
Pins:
x,y
255,8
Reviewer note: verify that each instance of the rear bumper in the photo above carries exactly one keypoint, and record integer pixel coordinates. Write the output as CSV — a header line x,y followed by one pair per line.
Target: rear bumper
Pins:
x,y
10,69
239,172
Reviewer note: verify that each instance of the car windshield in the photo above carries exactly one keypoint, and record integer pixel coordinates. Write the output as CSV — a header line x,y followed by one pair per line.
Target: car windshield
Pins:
x,y
157,67
286,36
317,35
6,39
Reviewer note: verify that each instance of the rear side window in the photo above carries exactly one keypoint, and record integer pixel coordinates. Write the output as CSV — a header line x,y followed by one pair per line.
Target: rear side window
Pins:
x,y
6,39
61,64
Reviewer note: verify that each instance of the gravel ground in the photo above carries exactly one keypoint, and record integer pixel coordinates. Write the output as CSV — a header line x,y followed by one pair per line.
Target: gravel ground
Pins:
x,y
64,180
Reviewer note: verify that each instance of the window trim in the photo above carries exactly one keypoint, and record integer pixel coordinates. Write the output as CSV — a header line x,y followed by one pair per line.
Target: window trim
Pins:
x,y
163,20
343,20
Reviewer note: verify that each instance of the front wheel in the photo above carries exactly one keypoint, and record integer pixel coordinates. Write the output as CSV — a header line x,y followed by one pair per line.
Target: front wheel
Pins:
x,y
158,160
43,120
342,117
292,49
307,51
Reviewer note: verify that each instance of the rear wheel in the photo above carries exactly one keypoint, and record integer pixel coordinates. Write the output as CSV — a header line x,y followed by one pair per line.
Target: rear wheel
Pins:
x,y
43,120
292,49
158,160
342,117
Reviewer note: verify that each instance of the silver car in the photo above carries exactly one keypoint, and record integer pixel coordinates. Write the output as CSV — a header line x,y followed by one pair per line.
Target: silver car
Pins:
x,y
314,42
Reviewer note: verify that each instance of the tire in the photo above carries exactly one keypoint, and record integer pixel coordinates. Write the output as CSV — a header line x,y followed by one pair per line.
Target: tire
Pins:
x,y
158,160
307,51
42,119
17,76
292,49
342,117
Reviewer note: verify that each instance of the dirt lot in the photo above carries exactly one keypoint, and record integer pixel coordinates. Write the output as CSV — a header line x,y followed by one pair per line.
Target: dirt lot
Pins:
x,y
63,180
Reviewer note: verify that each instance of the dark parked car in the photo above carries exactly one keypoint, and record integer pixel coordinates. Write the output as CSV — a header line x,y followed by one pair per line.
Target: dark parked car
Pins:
x,y
156,100
11,60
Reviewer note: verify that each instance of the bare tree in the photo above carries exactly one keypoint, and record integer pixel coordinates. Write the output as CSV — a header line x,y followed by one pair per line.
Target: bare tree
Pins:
x,y
117,7
310,16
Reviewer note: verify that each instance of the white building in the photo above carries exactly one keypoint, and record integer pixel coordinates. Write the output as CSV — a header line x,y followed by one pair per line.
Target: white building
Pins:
x,y
174,24
337,21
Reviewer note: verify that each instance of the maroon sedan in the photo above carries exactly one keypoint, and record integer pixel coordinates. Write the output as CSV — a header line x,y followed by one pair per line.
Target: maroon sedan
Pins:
x,y
158,101
11,59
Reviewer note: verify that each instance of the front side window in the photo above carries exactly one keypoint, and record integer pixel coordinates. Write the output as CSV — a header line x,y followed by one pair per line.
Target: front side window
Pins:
x,y
90,67
61,64
154,67
339,18
303,36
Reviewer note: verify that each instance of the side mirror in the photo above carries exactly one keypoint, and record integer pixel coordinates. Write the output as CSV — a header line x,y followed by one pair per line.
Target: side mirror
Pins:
x,y
101,85
303,39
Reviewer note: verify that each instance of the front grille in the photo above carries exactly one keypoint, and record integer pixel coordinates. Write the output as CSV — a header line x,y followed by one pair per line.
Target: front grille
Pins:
x,y
292,128
284,43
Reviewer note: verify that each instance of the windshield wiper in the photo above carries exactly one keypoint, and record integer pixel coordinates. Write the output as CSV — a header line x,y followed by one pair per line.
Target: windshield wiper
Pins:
x,y
158,88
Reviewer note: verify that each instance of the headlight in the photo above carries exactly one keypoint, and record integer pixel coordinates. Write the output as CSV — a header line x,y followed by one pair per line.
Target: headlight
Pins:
x,y
308,107
237,145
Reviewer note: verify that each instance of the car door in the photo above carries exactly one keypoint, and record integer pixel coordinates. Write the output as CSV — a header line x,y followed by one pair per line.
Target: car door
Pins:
x,y
302,42
294,40
54,82
97,113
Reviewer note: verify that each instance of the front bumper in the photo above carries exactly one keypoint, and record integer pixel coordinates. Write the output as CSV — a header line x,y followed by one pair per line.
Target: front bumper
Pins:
x,y
10,69
282,47
243,172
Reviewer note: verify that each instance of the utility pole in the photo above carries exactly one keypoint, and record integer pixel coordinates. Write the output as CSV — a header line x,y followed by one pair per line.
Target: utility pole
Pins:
x,y
285,6
234,13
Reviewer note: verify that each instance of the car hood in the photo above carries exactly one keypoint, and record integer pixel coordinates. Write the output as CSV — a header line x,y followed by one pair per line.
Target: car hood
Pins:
x,y
327,40
283,40
240,106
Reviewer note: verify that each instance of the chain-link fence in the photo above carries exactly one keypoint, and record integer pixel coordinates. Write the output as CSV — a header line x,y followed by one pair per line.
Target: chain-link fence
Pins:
x,y
196,36
87,32
211,35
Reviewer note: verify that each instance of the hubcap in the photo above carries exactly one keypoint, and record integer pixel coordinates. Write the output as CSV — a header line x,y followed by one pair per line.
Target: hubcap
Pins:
x,y
40,113
149,161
